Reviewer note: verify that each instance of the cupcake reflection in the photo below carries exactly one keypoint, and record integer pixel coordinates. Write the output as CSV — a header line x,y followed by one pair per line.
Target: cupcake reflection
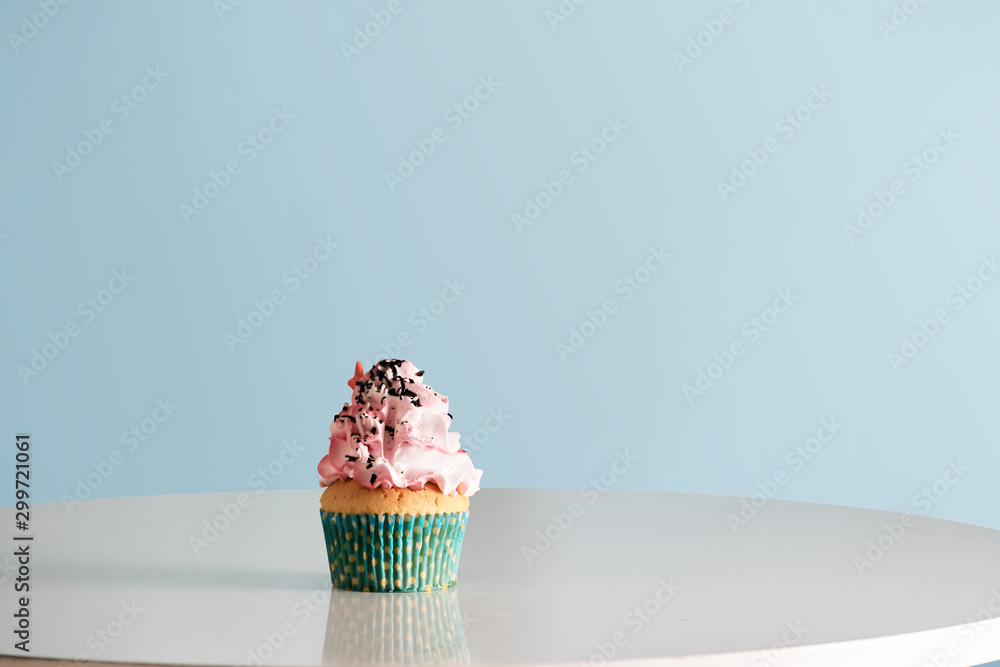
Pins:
x,y
395,628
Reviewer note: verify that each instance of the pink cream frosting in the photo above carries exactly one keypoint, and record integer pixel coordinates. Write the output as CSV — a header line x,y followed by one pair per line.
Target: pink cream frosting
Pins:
x,y
394,434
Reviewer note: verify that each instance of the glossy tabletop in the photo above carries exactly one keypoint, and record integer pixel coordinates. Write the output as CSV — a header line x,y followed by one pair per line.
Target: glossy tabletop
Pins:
x,y
546,577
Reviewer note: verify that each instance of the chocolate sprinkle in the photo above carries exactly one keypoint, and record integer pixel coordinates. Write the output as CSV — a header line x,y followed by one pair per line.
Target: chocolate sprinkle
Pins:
x,y
373,479
384,376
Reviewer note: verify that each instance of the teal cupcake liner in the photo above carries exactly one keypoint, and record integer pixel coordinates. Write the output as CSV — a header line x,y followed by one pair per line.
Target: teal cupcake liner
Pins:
x,y
387,553
395,629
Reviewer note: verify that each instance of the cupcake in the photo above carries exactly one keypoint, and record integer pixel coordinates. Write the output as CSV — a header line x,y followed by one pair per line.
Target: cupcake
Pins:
x,y
397,485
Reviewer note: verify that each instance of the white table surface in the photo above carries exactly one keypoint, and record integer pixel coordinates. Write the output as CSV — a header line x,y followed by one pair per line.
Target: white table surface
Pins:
x,y
790,567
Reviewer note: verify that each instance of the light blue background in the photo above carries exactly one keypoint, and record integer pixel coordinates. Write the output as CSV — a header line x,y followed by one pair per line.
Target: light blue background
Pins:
x,y
495,346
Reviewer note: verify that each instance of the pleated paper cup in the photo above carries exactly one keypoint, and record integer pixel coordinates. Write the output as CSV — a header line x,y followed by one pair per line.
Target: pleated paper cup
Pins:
x,y
393,553
420,628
